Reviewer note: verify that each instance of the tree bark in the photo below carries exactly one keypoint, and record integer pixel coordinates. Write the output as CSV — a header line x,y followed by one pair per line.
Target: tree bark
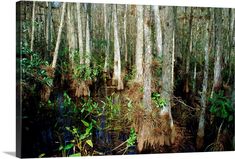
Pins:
x,y
33,27
48,29
218,67
201,126
80,36
158,30
188,51
71,34
125,40
117,57
139,45
147,61
59,37
168,74
107,34
88,42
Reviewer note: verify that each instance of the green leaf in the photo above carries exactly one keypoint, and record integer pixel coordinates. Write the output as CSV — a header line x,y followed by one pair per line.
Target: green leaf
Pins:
x,y
230,118
69,146
61,148
85,123
40,156
75,155
89,142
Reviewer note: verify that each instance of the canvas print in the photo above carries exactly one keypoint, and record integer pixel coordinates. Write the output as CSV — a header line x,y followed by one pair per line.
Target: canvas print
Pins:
x,y
121,79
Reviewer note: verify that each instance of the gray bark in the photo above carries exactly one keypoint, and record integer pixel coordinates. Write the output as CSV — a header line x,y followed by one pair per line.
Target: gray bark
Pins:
x,y
59,36
217,68
124,28
201,126
168,68
88,42
33,27
139,45
48,27
147,61
107,34
158,30
80,36
117,56
71,33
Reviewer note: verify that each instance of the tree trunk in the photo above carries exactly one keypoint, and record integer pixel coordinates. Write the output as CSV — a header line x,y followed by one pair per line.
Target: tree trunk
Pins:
x,y
80,37
168,76
218,67
188,51
117,57
71,34
33,27
125,40
59,37
107,34
158,30
201,126
147,61
139,45
48,30
88,42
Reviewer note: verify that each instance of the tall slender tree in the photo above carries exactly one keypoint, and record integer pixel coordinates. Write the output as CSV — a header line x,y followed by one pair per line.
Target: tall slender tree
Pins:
x,y
88,39
80,35
71,36
48,29
168,75
33,26
117,57
158,30
59,36
139,45
203,101
217,82
107,37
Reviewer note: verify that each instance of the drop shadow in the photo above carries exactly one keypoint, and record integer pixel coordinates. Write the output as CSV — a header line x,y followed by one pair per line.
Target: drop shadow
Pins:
x,y
11,153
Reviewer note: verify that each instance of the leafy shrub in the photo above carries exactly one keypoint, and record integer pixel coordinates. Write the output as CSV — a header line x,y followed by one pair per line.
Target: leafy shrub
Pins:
x,y
221,106
158,100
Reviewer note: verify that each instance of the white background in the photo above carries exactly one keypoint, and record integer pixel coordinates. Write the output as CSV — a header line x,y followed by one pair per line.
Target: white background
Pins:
x,y
7,78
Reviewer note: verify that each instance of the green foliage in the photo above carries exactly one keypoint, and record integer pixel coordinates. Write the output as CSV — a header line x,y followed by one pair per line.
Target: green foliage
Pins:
x,y
80,139
33,70
131,75
221,106
89,106
132,138
83,72
112,108
158,100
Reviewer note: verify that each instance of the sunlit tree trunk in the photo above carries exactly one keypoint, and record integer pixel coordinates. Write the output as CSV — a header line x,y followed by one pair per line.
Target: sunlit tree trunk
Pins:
x,y
80,36
33,27
139,45
158,30
203,101
88,42
147,60
107,34
125,40
117,57
48,30
168,74
218,57
71,36
231,41
59,37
